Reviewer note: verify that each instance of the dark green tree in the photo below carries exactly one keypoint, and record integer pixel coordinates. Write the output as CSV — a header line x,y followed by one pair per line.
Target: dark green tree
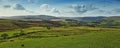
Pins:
x,y
65,23
5,36
16,34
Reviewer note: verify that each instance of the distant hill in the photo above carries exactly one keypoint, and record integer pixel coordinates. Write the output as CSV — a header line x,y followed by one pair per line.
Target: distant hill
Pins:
x,y
42,17
114,18
48,17
6,22
86,18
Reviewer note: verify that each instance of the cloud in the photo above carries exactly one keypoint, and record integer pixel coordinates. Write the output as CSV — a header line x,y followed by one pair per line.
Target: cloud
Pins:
x,y
81,8
11,12
47,9
98,12
116,10
15,9
33,12
54,10
18,7
7,6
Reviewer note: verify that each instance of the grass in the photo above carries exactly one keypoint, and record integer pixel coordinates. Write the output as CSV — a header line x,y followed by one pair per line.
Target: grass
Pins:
x,y
26,30
77,37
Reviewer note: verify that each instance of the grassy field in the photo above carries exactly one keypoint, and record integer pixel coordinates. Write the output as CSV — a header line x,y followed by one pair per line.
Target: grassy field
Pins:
x,y
60,37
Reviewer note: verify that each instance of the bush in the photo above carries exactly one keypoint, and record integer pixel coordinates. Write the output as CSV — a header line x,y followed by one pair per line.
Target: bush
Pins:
x,y
22,33
16,34
5,36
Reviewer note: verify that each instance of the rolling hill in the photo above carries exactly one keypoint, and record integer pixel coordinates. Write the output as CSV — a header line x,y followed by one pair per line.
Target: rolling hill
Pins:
x,y
42,17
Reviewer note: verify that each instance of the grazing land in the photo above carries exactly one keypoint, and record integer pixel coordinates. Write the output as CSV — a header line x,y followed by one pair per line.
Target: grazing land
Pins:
x,y
52,32
62,37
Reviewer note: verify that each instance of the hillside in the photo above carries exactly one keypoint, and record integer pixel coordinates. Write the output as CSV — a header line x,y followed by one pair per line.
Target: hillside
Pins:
x,y
48,17
41,20
7,24
86,19
114,18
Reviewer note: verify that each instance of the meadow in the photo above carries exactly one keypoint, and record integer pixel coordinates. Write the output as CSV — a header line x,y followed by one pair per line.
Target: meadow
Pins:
x,y
63,37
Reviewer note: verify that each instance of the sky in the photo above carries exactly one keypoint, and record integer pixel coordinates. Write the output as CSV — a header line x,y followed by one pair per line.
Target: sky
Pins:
x,y
60,8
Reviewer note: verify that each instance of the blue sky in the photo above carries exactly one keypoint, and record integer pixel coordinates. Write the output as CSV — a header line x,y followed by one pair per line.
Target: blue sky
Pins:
x,y
67,8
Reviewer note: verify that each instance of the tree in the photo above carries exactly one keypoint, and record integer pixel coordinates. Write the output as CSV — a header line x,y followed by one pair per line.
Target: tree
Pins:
x,y
22,45
5,36
48,27
22,33
16,34
65,23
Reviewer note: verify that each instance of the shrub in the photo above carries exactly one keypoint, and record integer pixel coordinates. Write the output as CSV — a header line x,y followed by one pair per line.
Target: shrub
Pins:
x,y
5,36
16,34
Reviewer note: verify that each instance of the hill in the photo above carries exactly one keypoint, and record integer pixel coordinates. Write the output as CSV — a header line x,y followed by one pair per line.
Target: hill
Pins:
x,y
7,24
100,21
86,19
42,17
48,17
114,18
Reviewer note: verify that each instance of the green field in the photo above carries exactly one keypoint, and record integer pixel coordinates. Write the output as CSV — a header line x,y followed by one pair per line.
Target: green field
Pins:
x,y
61,37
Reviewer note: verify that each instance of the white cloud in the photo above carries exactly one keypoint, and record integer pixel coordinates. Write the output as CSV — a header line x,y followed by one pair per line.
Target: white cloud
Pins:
x,y
48,10
11,12
54,10
97,12
81,8
45,7
16,9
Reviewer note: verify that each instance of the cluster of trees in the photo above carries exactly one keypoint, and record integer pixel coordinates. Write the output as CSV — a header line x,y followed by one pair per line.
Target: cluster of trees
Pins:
x,y
18,24
6,36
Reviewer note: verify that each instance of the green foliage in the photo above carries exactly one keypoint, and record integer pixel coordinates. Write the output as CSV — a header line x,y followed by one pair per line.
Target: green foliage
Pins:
x,y
22,33
96,38
4,35
109,23
65,23
59,37
15,34
48,27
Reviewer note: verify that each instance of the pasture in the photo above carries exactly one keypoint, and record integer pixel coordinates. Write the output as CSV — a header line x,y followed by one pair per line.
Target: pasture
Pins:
x,y
62,37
